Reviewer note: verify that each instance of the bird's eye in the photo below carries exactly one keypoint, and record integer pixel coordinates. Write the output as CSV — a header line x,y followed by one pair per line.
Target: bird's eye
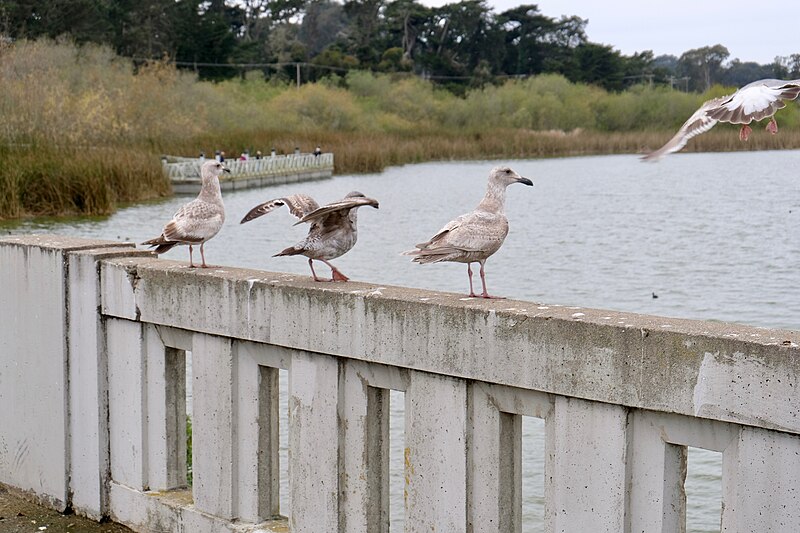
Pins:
x,y
508,171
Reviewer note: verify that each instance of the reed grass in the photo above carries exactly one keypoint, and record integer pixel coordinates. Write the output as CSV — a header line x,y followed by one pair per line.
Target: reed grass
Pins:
x,y
83,130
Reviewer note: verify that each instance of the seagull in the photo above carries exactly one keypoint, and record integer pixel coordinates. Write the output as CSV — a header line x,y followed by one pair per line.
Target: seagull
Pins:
x,y
473,237
199,220
755,101
333,230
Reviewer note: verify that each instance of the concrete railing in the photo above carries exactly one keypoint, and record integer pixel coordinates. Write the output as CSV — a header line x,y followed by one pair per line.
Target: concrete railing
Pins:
x,y
184,173
93,337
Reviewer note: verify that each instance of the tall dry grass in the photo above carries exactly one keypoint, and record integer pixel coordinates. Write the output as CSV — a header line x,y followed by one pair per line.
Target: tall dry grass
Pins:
x,y
83,129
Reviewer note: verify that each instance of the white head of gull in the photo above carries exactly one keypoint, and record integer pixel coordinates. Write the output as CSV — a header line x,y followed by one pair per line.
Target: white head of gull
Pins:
x,y
333,230
473,237
199,220
755,101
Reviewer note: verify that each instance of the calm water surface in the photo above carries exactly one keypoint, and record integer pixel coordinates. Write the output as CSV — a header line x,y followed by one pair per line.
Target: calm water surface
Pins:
x,y
713,235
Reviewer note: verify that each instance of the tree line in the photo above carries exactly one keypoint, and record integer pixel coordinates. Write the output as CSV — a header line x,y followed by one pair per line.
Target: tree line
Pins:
x,y
460,45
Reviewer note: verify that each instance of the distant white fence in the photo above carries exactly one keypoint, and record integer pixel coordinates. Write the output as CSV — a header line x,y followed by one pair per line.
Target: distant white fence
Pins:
x,y
93,337
184,173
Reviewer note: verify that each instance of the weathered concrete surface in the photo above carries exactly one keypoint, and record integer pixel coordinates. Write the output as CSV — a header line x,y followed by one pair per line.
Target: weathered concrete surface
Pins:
x,y
724,371
46,340
167,512
587,498
621,396
314,476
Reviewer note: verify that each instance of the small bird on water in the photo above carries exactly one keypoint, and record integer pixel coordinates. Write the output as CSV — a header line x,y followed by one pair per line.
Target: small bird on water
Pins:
x,y
333,230
473,237
755,101
199,220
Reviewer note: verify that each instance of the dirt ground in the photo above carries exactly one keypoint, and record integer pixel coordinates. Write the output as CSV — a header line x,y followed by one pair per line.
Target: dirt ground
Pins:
x,y
18,515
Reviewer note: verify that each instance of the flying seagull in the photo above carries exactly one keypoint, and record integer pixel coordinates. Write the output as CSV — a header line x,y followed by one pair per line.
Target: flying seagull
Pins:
x,y
199,220
333,230
755,101
473,237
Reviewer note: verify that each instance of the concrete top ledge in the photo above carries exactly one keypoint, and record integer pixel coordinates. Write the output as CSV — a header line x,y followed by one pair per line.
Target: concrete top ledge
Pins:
x,y
507,308
716,370
60,242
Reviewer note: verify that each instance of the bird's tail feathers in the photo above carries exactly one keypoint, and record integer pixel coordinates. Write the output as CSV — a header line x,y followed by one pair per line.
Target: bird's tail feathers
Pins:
x,y
435,255
161,244
289,251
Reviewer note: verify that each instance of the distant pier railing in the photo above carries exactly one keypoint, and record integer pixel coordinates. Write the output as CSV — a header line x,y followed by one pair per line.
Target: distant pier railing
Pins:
x,y
94,341
184,173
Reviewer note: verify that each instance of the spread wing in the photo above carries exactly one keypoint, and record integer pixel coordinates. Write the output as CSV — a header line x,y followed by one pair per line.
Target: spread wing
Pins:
x,y
299,205
756,101
339,208
699,122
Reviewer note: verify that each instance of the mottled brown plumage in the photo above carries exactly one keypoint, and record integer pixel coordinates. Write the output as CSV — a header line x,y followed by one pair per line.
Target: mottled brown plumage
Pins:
x,y
475,236
333,230
197,221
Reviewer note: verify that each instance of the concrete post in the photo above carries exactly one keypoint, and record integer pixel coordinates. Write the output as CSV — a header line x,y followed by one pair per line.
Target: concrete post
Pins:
x,y
495,465
33,372
586,458
313,443
213,426
258,437
364,480
656,479
436,454
166,414
759,483
88,377
127,403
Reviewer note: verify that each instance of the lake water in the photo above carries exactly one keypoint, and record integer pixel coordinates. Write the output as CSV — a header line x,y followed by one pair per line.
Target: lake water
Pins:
x,y
715,236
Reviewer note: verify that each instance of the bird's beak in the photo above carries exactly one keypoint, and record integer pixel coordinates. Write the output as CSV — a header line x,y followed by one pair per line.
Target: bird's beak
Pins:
x,y
375,205
525,181
226,169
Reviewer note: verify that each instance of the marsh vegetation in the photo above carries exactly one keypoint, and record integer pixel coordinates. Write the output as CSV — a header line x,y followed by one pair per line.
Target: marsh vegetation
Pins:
x,y
82,129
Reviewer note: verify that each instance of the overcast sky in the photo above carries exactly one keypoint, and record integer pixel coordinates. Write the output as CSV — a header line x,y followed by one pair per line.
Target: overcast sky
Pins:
x,y
752,31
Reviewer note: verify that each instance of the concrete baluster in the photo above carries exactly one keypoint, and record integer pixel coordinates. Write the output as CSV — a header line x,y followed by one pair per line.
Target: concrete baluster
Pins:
x,y
313,443
759,482
436,454
214,431
586,456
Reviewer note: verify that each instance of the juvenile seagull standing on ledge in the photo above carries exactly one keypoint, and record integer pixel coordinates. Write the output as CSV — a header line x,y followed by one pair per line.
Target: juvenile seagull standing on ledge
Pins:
x,y
755,101
333,230
475,236
199,220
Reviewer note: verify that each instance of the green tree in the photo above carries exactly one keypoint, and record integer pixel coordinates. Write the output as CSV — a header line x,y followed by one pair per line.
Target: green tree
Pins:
x,y
702,66
363,27
404,22
526,39
461,36
82,20
598,64
324,22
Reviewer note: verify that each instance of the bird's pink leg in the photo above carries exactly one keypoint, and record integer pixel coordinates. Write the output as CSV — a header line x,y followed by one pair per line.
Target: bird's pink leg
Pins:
x,y
772,126
745,132
314,274
203,255
469,272
335,274
191,262
483,281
